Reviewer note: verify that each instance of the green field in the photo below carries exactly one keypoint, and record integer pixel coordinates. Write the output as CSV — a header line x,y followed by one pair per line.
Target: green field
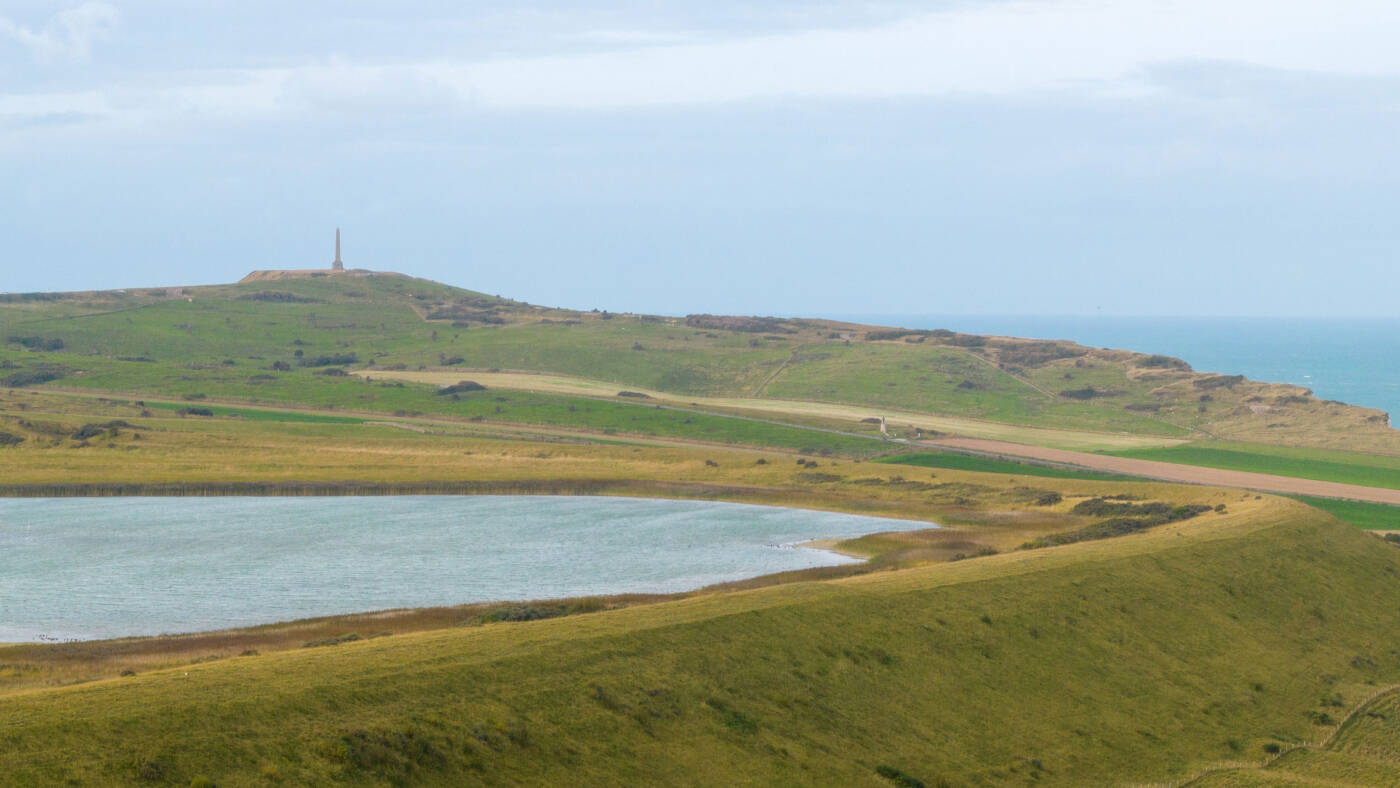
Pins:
x,y
1371,516
1369,470
966,462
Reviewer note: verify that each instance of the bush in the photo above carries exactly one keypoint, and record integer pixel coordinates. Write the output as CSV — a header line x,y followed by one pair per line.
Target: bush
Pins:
x,y
1163,362
460,387
524,613
633,394
194,412
93,430
37,343
277,298
333,372
1217,381
1034,354
334,640
333,360
42,373
10,439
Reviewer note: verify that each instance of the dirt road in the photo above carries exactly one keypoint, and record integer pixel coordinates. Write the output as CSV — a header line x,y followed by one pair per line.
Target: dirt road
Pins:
x,y
1168,471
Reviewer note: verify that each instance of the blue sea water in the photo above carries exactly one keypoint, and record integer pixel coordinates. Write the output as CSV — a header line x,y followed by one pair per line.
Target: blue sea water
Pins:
x,y
1356,361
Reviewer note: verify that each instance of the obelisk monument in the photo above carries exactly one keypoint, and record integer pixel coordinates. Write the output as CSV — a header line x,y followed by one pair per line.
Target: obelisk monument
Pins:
x,y
336,265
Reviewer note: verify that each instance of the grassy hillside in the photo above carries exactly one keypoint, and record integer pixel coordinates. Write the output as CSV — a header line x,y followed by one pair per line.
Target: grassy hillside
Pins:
x,y
1134,659
268,339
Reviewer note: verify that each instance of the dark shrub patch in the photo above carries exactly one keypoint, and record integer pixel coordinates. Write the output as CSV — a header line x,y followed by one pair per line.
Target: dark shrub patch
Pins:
x,y
194,412
525,613
42,373
10,439
751,325
93,430
277,298
633,394
1163,362
334,372
37,343
1033,354
333,360
1218,381
1150,515
461,387
1088,393
334,640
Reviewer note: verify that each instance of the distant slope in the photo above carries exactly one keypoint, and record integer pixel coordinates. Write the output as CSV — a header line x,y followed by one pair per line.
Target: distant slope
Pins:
x,y
1142,658
159,339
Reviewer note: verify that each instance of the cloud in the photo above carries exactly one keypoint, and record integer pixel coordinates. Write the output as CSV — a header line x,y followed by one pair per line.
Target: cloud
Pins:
x,y
68,35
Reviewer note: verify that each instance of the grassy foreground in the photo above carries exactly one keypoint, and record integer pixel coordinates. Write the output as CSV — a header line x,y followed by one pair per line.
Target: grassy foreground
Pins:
x,y
1133,659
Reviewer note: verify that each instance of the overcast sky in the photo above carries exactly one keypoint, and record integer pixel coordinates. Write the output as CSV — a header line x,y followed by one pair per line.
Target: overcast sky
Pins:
x,y
1226,157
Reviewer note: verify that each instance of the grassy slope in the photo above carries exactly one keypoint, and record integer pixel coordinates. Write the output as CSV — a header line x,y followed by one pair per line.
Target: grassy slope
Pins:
x,y
216,337
1133,659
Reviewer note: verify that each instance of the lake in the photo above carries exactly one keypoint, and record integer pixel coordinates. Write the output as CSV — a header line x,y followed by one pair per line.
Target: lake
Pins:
x,y
88,568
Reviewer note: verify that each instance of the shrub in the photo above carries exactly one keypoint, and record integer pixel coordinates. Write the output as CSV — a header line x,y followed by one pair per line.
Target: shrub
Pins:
x,y
1217,381
751,325
42,373
524,613
93,430
332,360
281,366
633,394
37,343
277,298
334,640
1034,354
10,439
461,387
333,372
1272,748
1163,362
1088,393
194,412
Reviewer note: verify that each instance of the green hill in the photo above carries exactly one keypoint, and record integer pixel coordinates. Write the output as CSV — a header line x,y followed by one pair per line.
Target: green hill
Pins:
x,y
1143,658
266,339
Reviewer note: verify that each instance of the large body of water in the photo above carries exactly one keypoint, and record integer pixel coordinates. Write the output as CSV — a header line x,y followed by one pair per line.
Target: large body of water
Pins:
x,y
85,568
1356,361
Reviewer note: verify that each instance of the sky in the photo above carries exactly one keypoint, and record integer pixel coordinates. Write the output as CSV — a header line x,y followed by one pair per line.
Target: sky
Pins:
x,y
1075,157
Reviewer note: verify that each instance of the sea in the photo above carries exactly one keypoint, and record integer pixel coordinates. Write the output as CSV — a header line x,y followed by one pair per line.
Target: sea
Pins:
x,y
1353,360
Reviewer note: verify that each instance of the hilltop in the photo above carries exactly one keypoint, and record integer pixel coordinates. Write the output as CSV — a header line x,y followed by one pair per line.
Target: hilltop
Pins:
x,y
219,337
